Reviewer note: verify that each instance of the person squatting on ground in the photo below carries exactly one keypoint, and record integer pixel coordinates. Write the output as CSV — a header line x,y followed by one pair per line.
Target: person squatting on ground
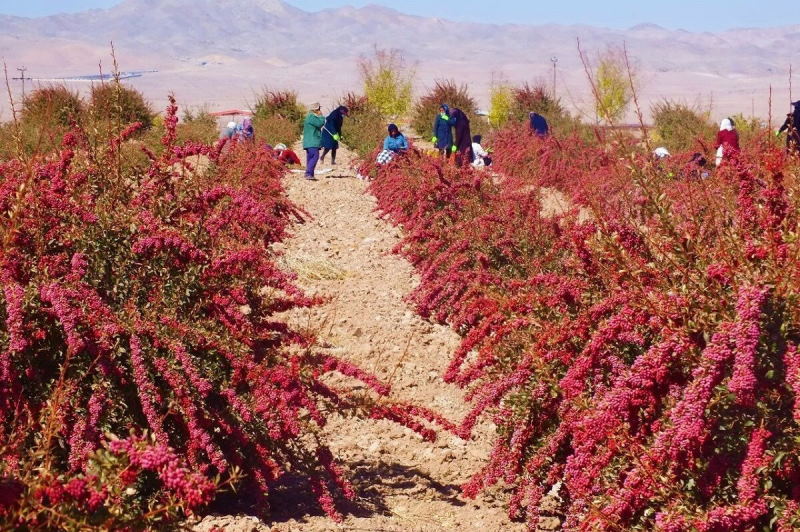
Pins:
x,y
538,125
727,145
462,146
332,133
312,138
792,127
442,131
482,157
285,155
395,143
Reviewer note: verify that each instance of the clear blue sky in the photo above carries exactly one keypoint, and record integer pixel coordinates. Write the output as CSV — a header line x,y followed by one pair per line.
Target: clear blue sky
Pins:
x,y
687,14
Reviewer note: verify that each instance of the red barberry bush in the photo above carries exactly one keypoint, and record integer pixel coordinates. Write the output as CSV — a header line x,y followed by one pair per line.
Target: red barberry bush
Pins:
x,y
143,362
640,360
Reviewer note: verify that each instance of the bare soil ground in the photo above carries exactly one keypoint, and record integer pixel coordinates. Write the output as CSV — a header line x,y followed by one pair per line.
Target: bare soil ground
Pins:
x,y
403,483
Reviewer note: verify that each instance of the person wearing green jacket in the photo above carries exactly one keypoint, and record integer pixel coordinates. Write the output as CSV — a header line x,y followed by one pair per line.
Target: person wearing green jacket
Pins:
x,y
312,138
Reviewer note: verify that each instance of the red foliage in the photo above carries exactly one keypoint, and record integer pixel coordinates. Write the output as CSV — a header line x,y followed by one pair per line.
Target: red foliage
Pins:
x,y
147,303
639,354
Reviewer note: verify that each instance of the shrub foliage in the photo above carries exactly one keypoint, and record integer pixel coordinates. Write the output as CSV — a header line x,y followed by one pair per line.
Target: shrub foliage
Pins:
x,y
142,362
639,356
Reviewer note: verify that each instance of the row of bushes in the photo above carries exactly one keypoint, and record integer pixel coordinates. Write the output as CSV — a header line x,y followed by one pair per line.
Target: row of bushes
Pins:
x,y
640,355
47,113
143,365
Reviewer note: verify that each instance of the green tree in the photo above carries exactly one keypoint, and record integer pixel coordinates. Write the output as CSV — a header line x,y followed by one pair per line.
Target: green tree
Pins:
x,y
501,104
678,126
388,81
612,79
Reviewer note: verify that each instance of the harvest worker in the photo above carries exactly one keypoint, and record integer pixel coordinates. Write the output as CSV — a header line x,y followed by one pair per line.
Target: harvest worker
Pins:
x,y
792,127
482,157
248,132
393,144
442,131
230,130
463,141
332,132
285,155
312,138
727,145
538,125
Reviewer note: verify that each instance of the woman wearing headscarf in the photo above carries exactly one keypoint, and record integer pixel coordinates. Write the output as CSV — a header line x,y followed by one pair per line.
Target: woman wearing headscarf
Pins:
x,y
792,126
395,143
727,145
248,131
332,132
442,131
462,144
538,125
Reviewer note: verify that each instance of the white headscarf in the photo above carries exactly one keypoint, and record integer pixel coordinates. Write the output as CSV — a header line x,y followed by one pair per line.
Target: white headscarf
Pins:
x,y
280,147
661,152
726,125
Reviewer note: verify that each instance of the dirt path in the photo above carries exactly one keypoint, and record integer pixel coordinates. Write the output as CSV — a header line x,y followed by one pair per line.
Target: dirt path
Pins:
x,y
404,483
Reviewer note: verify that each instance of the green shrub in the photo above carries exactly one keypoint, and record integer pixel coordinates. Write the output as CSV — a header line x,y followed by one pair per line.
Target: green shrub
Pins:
x,y
45,116
388,82
501,103
278,116
118,105
52,105
366,126
678,126
535,98
276,129
197,126
454,95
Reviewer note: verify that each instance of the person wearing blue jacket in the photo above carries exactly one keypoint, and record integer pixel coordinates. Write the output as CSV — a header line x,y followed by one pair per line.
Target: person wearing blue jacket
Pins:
x,y
396,142
538,125
332,132
443,132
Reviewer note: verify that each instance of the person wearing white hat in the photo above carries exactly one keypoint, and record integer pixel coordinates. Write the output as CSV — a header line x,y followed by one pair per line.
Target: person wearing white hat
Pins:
x,y
285,155
727,141
230,130
661,152
312,138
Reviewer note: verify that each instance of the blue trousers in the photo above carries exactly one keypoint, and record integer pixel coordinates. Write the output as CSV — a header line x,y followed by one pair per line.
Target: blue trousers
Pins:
x,y
312,157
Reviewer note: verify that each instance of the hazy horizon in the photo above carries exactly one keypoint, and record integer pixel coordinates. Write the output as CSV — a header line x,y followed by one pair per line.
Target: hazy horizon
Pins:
x,y
619,14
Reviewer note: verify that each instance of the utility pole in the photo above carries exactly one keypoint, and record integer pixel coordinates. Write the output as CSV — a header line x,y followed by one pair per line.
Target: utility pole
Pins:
x,y
22,78
554,60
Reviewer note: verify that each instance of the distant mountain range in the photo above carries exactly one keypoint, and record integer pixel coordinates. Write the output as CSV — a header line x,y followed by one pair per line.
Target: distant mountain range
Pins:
x,y
223,51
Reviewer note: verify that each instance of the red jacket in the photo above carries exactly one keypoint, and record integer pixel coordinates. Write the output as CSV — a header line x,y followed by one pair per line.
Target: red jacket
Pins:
x,y
289,157
728,139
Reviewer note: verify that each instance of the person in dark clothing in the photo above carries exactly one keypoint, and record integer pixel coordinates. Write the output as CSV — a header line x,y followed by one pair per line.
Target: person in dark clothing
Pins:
x,y
792,127
332,132
248,132
539,125
442,131
463,138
